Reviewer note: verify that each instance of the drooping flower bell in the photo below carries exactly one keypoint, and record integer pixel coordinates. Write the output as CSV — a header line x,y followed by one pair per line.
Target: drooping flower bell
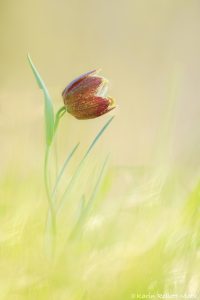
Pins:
x,y
85,97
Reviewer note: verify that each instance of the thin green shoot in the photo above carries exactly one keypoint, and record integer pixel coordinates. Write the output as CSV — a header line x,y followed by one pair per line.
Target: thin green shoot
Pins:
x,y
53,194
87,207
63,168
64,197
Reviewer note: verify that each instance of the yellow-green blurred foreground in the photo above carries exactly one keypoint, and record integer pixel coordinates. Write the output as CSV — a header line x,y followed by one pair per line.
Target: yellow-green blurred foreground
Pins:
x,y
141,236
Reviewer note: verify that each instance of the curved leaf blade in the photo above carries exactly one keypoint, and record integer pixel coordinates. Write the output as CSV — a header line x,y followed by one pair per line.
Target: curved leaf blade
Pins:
x,y
49,112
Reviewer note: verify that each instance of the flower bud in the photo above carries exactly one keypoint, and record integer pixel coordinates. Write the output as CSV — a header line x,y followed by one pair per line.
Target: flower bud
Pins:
x,y
85,97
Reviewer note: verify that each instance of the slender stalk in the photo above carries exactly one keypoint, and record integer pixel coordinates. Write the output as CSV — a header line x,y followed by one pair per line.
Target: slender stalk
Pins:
x,y
51,205
60,113
51,224
59,176
61,172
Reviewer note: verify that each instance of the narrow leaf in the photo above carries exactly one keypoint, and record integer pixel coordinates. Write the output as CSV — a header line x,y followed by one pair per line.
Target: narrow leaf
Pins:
x,y
49,112
79,167
61,172
86,208
96,187
58,178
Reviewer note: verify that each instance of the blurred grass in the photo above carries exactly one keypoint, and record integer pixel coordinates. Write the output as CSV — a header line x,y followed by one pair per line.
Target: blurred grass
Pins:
x,y
144,239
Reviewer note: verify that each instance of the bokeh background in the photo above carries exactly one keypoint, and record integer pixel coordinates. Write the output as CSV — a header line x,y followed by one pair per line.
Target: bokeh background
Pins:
x,y
142,47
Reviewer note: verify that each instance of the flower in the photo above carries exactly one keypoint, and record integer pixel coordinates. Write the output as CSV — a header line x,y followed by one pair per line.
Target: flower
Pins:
x,y
85,97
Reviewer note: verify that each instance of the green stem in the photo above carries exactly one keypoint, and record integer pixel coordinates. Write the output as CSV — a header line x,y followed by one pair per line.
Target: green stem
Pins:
x,y
51,225
51,205
59,115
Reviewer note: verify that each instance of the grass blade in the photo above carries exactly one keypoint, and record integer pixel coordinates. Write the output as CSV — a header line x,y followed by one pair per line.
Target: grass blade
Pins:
x,y
62,170
52,196
86,208
70,185
49,112
96,187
